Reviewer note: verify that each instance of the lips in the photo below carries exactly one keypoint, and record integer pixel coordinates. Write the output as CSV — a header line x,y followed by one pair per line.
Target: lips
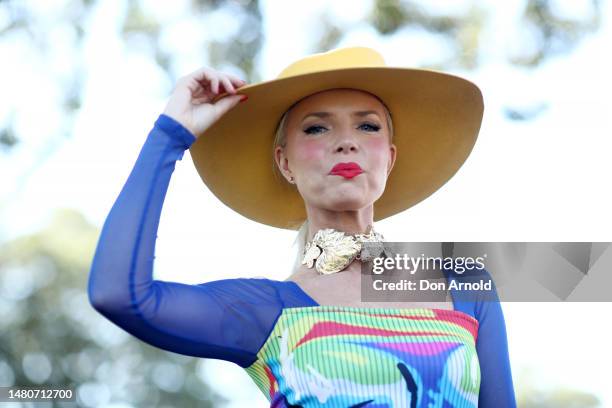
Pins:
x,y
346,170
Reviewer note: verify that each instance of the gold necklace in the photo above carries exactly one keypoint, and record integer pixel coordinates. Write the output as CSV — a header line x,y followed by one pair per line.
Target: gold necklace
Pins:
x,y
334,250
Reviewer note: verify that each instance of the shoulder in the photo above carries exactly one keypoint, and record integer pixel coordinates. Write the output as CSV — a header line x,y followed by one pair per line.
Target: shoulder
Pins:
x,y
474,292
239,287
259,291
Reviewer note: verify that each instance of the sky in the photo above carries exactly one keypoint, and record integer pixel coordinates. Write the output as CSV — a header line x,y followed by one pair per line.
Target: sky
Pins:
x,y
541,180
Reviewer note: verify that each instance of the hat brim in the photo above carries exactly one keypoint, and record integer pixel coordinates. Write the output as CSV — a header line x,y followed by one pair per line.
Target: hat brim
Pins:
x,y
436,120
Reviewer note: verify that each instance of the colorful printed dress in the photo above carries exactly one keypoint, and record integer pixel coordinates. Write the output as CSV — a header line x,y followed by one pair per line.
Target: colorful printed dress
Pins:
x,y
299,353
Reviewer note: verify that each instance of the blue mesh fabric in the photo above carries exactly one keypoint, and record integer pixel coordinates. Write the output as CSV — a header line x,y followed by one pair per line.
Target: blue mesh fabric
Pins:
x,y
224,319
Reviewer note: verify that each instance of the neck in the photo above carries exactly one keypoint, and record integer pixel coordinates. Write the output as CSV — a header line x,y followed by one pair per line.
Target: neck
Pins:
x,y
350,222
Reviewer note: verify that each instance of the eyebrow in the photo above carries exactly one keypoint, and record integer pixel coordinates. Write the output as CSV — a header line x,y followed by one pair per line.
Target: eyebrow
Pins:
x,y
328,114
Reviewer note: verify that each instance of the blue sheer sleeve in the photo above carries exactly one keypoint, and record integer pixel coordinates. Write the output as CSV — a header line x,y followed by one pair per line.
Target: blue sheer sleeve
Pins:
x,y
226,319
496,387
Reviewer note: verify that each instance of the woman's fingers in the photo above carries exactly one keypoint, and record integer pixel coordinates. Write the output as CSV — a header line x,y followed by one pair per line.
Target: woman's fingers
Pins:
x,y
208,81
228,85
236,81
211,79
200,98
202,73
214,84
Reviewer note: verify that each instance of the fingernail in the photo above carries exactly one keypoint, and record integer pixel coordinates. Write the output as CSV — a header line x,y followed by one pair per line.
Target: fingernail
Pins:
x,y
244,98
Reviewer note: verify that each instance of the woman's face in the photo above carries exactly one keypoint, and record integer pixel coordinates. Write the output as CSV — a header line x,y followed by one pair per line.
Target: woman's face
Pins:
x,y
331,130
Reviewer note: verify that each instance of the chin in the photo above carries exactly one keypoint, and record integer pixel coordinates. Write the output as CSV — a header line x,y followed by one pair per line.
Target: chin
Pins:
x,y
348,202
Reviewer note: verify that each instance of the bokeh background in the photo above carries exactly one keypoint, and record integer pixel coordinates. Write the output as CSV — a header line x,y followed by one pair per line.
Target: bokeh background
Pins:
x,y
82,82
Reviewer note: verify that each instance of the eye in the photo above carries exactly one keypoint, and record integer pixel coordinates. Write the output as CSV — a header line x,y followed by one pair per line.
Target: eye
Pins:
x,y
369,127
312,129
315,129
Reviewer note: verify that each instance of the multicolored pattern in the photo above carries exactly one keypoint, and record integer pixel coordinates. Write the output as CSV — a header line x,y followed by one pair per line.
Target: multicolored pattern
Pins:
x,y
337,356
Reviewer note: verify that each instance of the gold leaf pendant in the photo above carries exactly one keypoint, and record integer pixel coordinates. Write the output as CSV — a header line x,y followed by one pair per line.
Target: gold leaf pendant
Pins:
x,y
334,250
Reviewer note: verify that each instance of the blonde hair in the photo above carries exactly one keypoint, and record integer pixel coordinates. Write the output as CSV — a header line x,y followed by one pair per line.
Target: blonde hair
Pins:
x,y
280,139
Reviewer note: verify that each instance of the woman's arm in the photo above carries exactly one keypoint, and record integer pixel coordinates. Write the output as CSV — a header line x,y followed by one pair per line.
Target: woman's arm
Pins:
x,y
198,320
496,387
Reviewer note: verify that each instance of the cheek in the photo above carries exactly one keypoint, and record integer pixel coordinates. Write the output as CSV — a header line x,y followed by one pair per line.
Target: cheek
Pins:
x,y
379,152
309,154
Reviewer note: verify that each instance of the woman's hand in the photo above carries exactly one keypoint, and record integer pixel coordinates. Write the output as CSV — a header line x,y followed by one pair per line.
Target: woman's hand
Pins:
x,y
191,101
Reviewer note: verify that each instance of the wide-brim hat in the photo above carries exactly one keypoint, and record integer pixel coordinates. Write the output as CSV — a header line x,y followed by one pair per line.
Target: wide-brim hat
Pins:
x,y
436,118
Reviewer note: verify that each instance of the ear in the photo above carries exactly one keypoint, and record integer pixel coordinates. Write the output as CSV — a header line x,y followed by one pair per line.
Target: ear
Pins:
x,y
392,157
282,162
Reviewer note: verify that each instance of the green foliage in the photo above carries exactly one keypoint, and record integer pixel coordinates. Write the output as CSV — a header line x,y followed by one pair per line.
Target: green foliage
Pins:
x,y
50,335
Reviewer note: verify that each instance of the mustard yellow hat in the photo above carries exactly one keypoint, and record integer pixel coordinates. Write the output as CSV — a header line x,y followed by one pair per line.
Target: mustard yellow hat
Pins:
x,y
436,119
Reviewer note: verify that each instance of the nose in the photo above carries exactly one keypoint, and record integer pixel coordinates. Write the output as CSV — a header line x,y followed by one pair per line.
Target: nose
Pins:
x,y
346,144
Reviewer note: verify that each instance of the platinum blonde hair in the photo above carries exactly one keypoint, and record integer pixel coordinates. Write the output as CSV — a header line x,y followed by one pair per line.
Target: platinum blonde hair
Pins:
x,y
280,139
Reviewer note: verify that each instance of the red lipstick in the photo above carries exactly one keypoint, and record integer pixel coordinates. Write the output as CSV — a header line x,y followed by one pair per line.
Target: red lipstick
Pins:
x,y
346,170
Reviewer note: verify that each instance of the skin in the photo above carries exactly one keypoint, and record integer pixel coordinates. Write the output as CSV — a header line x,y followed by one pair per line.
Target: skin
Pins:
x,y
314,145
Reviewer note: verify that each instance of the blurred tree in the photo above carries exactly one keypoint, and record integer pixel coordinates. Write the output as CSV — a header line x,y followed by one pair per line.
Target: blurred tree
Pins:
x,y
50,335
551,32
554,33
389,16
26,25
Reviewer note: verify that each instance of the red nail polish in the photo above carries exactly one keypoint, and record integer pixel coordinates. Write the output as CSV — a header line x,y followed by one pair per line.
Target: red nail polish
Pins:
x,y
244,98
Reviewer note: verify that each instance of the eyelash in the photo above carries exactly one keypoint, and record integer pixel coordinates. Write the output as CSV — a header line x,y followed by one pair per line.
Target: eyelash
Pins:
x,y
376,128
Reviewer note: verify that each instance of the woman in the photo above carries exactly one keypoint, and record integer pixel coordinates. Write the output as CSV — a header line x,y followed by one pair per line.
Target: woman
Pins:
x,y
356,141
